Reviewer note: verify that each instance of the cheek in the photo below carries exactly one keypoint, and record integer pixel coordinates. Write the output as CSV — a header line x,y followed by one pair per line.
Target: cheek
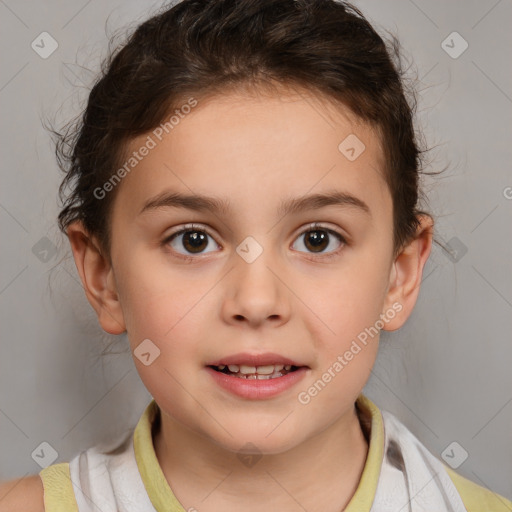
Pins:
x,y
169,320
152,301
349,301
168,311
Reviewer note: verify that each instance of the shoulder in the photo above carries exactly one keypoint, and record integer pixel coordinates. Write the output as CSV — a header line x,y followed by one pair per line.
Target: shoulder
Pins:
x,y
49,491
476,497
22,494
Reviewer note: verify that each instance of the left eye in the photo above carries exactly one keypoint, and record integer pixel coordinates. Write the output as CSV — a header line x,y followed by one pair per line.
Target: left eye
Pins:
x,y
318,238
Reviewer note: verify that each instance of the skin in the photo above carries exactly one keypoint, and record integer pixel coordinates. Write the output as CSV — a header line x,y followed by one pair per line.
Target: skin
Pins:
x,y
22,495
255,150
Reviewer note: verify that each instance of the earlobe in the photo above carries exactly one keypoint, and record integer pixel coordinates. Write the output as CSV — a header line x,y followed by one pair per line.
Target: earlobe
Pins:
x,y
98,281
406,274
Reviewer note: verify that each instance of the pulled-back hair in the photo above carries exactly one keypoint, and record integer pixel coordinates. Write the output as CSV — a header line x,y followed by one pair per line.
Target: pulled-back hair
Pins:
x,y
200,48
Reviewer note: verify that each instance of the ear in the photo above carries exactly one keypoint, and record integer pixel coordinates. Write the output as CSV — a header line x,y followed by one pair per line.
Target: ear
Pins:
x,y
406,273
97,276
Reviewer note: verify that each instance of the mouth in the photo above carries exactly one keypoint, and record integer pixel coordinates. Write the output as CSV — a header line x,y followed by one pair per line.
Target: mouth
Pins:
x,y
256,376
262,372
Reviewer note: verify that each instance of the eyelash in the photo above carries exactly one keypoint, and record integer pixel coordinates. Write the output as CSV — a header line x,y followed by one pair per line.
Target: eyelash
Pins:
x,y
312,227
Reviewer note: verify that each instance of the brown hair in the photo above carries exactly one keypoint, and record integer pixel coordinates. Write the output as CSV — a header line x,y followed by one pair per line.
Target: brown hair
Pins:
x,y
201,48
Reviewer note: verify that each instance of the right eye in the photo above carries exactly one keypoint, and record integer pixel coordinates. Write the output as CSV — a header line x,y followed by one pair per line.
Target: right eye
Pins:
x,y
194,239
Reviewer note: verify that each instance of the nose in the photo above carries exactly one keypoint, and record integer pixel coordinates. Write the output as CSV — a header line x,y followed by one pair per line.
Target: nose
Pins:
x,y
255,293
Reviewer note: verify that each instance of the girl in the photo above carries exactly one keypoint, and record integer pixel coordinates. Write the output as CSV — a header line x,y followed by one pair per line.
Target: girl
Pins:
x,y
244,205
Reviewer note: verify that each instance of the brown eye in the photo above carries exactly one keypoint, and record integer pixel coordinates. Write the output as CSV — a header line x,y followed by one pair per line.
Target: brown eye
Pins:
x,y
191,241
316,240
319,239
195,241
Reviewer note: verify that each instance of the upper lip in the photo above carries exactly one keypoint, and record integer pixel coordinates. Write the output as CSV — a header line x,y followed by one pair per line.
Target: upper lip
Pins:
x,y
247,359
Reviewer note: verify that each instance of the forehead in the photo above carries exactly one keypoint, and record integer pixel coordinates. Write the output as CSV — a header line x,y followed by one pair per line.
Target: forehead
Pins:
x,y
252,148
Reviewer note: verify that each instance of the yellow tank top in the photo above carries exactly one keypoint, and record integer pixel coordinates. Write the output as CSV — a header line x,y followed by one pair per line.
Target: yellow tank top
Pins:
x,y
138,470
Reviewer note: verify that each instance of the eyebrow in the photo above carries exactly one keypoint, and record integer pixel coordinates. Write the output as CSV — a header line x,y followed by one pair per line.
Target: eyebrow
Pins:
x,y
216,205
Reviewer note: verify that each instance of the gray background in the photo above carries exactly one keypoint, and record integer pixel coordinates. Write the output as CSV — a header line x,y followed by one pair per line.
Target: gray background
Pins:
x,y
445,374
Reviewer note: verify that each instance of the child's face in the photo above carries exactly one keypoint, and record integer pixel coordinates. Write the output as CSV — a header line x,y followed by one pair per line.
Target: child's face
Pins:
x,y
255,153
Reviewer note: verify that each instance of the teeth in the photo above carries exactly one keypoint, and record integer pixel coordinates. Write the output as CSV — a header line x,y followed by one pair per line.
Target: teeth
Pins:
x,y
246,369
270,371
265,370
255,376
261,370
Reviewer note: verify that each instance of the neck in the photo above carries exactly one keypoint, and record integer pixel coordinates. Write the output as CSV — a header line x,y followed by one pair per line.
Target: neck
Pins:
x,y
321,473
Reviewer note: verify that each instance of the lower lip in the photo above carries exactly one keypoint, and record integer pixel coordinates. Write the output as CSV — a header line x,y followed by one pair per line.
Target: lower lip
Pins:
x,y
254,389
